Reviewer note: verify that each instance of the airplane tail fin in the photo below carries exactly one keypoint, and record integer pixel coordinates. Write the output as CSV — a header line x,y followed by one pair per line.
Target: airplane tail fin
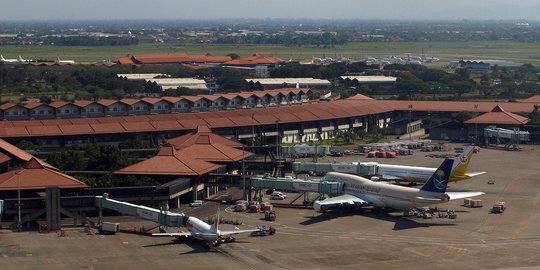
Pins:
x,y
439,180
215,225
462,162
2,57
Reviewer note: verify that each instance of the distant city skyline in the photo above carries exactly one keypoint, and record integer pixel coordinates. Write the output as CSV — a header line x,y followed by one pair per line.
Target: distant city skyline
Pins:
x,y
279,9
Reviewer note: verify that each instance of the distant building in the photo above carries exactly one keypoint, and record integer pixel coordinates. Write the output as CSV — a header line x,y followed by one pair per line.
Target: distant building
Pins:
x,y
275,83
173,83
483,65
370,79
404,126
141,76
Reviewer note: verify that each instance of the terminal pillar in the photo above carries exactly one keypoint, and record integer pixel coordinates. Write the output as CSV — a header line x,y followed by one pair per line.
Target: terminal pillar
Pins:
x,y
165,205
52,206
194,192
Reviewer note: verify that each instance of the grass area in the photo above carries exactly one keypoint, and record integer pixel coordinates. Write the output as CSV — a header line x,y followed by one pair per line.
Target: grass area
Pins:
x,y
519,52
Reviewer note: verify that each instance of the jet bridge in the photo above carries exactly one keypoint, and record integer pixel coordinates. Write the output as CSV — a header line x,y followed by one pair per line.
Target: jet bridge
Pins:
x,y
358,168
164,218
302,185
512,138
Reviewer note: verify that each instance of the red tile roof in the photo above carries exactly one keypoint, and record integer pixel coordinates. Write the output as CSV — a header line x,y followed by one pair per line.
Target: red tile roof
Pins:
x,y
205,150
107,102
171,99
168,162
360,97
454,106
4,158
7,105
33,105
151,100
187,121
131,101
33,175
83,103
58,104
533,99
256,59
171,58
14,152
202,130
499,116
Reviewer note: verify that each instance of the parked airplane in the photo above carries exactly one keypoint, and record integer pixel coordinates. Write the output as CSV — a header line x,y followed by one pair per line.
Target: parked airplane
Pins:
x,y
58,60
201,230
414,174
19,60
364,192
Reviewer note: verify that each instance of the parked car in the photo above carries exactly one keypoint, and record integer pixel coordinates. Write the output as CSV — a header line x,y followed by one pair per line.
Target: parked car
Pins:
x,y
196,203
277,197
270,191
280,194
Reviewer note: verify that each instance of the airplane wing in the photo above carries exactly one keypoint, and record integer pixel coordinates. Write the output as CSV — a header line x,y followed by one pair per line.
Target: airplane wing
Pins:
x,y
391,177
430,199
473,174
186,234
338,201
462,195
229,232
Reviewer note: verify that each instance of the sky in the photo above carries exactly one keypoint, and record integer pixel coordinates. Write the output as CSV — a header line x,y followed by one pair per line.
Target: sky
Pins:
x,y
288,9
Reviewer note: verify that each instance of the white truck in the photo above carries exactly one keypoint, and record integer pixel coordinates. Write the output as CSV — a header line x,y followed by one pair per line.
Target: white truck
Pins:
x,y
109,228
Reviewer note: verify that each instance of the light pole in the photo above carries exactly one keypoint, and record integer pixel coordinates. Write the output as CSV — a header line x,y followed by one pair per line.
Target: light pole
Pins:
x,y
244,195
410,120
277,140
476,125
252,130
18,173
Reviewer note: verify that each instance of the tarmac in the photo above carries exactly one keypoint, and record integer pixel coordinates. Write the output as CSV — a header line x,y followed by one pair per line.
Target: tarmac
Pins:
x,y
341,239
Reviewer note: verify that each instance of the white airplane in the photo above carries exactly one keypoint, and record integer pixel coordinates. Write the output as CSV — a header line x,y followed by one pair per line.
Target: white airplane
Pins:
x,y
58,60
19,60
201,230
414,174
430,59
364,192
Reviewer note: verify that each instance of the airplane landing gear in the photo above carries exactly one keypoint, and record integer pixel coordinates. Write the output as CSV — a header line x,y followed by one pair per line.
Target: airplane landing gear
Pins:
x,y
229,239
217,243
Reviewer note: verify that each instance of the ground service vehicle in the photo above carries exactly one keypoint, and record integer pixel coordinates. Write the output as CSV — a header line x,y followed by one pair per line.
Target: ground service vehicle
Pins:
x,y
270,215
196,203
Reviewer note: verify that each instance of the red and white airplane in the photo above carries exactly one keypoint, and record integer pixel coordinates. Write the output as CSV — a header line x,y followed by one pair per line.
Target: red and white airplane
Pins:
x,y
201,230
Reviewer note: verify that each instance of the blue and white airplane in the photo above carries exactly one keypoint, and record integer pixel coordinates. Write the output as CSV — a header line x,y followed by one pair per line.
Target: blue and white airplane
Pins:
x,y
364,192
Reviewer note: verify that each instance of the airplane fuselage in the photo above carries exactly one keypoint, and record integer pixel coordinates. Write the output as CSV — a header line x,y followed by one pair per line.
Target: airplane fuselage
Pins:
x,y
201,230
385,195
413,173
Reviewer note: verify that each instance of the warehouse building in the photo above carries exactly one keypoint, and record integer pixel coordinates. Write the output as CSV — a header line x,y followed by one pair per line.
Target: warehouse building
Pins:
x,y
275,83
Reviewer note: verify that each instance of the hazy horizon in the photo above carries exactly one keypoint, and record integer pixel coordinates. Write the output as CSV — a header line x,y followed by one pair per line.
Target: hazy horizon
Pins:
x,y
278,9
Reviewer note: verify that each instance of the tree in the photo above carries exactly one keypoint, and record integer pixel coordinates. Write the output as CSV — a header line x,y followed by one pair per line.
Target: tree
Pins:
x,y
433,75
463,73
461,87
410,87
233,56
232,83
45,99
485,79
462,116
56,160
